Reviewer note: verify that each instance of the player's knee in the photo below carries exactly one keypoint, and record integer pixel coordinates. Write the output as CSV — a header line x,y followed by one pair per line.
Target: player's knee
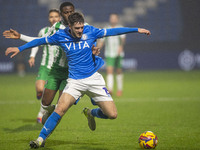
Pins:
x,y
60,111
39,89
45,102
113,115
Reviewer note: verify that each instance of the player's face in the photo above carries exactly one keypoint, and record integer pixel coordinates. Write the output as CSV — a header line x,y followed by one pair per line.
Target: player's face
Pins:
x,y
114,20
77,30
54,17
66,11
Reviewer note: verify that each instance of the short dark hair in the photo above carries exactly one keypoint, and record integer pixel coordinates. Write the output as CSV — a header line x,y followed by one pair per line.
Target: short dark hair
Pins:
x,y
65,4
75,17
54,10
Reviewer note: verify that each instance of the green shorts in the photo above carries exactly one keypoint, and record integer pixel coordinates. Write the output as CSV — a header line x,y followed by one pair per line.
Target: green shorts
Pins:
x,y
57,79
114,61
42,73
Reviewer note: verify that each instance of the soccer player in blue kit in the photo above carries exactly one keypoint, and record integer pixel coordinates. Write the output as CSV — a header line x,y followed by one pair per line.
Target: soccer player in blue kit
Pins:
x,y
77,41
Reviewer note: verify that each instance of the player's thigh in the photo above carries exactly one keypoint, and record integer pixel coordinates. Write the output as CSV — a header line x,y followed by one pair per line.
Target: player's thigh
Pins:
x,y
110,63
52,82
118,64
75,88
97,89
100,95
63,83
43,73
48,96
60,93
41,78
65,102
108,108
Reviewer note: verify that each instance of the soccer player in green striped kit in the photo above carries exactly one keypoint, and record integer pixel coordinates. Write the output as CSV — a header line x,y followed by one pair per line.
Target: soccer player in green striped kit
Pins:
x,y
53,69
53,62
114,54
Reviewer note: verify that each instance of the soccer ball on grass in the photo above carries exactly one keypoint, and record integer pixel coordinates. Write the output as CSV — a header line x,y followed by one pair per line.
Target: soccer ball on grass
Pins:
x,y
148,140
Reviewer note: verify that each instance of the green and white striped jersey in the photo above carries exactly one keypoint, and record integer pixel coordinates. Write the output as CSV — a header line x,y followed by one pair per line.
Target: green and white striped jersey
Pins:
x,y
52,30
112,44
52,55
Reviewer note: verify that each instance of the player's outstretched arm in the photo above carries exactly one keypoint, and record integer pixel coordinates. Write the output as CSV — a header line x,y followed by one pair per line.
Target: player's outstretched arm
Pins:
x,y
12,50
16,50
125,30
34,43
144,31
11,34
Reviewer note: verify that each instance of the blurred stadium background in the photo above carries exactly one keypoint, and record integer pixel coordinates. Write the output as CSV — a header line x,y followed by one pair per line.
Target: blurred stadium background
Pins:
x,y
161,95
175,27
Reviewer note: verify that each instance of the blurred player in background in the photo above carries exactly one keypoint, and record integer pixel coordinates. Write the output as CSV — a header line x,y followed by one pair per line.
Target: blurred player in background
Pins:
x,y
56,72
114,53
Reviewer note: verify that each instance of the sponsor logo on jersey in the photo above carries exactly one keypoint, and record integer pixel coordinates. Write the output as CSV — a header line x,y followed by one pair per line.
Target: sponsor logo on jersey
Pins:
x,y
79,45
84,37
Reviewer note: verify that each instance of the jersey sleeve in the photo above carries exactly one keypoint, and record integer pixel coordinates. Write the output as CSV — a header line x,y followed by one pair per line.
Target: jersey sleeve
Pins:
x,y
119,31
27,38
34,50
122,36
33,43
53,39
98,33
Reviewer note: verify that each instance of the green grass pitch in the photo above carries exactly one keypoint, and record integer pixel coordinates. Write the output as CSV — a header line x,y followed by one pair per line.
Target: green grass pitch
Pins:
x,y
165,102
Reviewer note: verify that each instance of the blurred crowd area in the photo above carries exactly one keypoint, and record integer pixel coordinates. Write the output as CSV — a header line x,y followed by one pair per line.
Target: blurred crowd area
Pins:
x,y
174,24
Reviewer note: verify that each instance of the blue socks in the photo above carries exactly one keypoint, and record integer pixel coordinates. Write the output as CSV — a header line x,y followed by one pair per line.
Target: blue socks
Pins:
x,y
54,119
98,113
49,125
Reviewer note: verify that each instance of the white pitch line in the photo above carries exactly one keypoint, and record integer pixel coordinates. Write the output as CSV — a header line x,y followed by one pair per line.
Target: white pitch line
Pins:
x,y
11,102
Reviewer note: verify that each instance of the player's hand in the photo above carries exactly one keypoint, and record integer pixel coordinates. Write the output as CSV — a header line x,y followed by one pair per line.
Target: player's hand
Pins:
x,y
13,50
11,34
31,61
141,30
95,50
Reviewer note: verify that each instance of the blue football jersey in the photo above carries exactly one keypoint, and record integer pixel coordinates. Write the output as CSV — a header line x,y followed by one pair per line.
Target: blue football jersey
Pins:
x,y
82,63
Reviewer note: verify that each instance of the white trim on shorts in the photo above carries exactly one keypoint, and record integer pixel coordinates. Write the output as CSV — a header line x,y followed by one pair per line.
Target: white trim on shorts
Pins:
x,y
93,86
